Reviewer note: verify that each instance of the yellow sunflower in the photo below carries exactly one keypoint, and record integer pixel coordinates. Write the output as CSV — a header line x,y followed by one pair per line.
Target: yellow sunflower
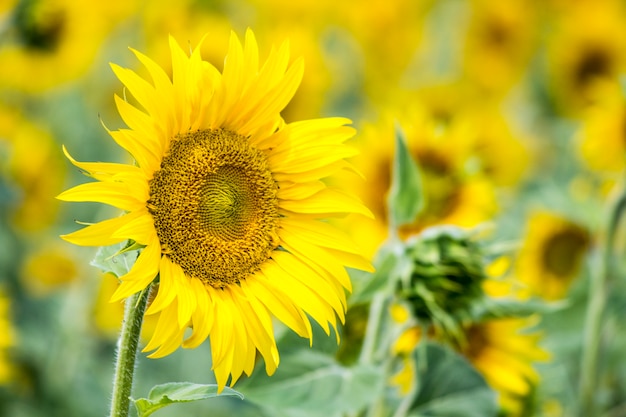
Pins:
x,y
603,135
500,349
47,42
586,53
499,42
48,268
35,165
229,203
452,194
551,256
493,145
503,352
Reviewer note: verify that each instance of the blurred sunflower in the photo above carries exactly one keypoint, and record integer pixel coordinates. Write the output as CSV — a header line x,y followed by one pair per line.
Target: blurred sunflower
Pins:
x,y
494,148
228,202
552,254
503,353
48,42
586,52
603,135
108,316
499,42
34,166
500,349
47,268
452,195
401,22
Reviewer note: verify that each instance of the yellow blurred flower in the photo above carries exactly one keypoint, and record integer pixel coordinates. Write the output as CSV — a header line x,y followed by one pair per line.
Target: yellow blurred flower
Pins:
x,y
34,164
503,352
586,51
499,42
49,42
493,146
49,267
500,349
603,134
452,194
551,256
108,316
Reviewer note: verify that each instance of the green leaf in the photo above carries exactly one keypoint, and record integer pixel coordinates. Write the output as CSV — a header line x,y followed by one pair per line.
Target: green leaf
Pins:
x,y
178,392
449,386
406,197
118,259
309,383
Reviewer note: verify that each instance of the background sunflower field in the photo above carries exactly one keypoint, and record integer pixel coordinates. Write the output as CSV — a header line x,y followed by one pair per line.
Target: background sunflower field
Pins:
x,y
492,148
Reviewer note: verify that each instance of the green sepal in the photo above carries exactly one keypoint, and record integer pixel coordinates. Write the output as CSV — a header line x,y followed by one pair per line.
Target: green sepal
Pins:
x,y
178,392
406,196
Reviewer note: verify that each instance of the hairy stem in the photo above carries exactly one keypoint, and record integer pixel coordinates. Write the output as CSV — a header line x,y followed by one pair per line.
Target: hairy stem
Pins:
x,y
127,353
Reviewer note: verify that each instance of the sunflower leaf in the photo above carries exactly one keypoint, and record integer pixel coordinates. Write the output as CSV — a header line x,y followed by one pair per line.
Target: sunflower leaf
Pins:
x,y
406,196
178,392
118,259
311,384
449,386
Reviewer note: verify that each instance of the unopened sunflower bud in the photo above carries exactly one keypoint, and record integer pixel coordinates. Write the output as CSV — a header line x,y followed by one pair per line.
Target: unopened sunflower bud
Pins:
x,y
443,279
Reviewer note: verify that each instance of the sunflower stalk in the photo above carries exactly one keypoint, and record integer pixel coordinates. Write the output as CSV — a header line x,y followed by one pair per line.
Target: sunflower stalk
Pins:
x,y
128,342
596,306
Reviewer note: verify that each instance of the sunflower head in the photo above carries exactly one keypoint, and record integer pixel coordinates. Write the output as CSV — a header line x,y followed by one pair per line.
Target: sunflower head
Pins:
x,y
552,254
229,204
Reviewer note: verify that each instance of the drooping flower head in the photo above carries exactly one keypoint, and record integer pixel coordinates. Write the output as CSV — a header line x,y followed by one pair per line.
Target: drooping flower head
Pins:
x,y
228,202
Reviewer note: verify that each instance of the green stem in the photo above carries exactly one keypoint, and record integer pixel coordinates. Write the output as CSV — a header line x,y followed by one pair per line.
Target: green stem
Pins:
x,y
374,321
127,352
595,308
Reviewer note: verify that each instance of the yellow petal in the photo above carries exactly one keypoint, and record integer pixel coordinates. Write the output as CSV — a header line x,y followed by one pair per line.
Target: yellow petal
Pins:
x,y
141,274
102,171
140,229
116,194
100,234
167,290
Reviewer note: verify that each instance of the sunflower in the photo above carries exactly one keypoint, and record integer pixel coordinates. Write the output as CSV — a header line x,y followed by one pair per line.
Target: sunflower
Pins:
x,y
552,255
48,42
503,352
34,165
493,145
47,268
229,203
499,42
603,135
452,194
586,53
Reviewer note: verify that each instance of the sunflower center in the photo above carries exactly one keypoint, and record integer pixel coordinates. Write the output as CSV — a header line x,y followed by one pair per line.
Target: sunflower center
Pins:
x,y
477,341
39,25
595,63
214,206
564,251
